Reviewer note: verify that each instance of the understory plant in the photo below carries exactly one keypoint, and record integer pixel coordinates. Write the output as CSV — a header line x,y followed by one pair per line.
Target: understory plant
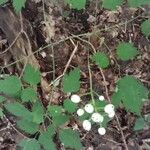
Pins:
x,y
44,127
19,97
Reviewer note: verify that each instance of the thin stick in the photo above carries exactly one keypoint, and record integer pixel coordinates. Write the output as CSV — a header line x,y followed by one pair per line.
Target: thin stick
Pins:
x,y
71,56
9,122
7,49
91,84
53,61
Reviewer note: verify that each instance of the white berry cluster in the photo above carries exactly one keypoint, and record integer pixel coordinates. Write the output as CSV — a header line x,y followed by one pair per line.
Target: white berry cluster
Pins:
x,y
95,116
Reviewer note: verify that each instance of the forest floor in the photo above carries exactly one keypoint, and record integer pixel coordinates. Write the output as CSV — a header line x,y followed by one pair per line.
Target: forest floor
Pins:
x,y
59,33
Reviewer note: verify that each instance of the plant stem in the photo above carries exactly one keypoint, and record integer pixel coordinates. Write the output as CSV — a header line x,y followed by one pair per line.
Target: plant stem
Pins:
x,y
85,94
91,87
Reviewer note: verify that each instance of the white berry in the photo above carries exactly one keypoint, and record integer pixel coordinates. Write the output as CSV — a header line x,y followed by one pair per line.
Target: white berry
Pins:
x,y
86,125
89,108
43,54
80,112
75,98
109,108
96,117
101,98
112,114
101,131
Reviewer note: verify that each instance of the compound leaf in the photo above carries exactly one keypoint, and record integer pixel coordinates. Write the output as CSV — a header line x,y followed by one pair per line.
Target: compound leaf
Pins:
x,y
28,94
147,118
38,112
46,141
3,2
51,130
18,110
137,3
54,110
145,27
111,4
27,126
76,4
139,124
70,139
29,144
71,81
126,51
101,59
18,5
61,119
1,113
69,106
131,93
2,99
31,75
10,86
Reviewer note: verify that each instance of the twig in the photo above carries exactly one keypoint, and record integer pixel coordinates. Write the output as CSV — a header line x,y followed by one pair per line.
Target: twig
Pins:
x,y
68,63
111,141
91,84
105,85
21,22
9,122
71,56
112,56
122,134
53,61
43,5
7,49
21,74
85,41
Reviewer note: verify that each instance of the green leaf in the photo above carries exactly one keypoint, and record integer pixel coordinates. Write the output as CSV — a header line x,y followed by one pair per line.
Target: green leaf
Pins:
x,y
145,27
19,110
2,99
71,81
126,51
51,130
54,110
131,93
70,139
27,126
60,120
29,144
18,5
1,113
3,2
112,4
116,98
105,122
147,118
47,142
137,3
76,4
28,95
85,116
69,106
38,112
31,75
139,124
101,59
100,104
10,86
